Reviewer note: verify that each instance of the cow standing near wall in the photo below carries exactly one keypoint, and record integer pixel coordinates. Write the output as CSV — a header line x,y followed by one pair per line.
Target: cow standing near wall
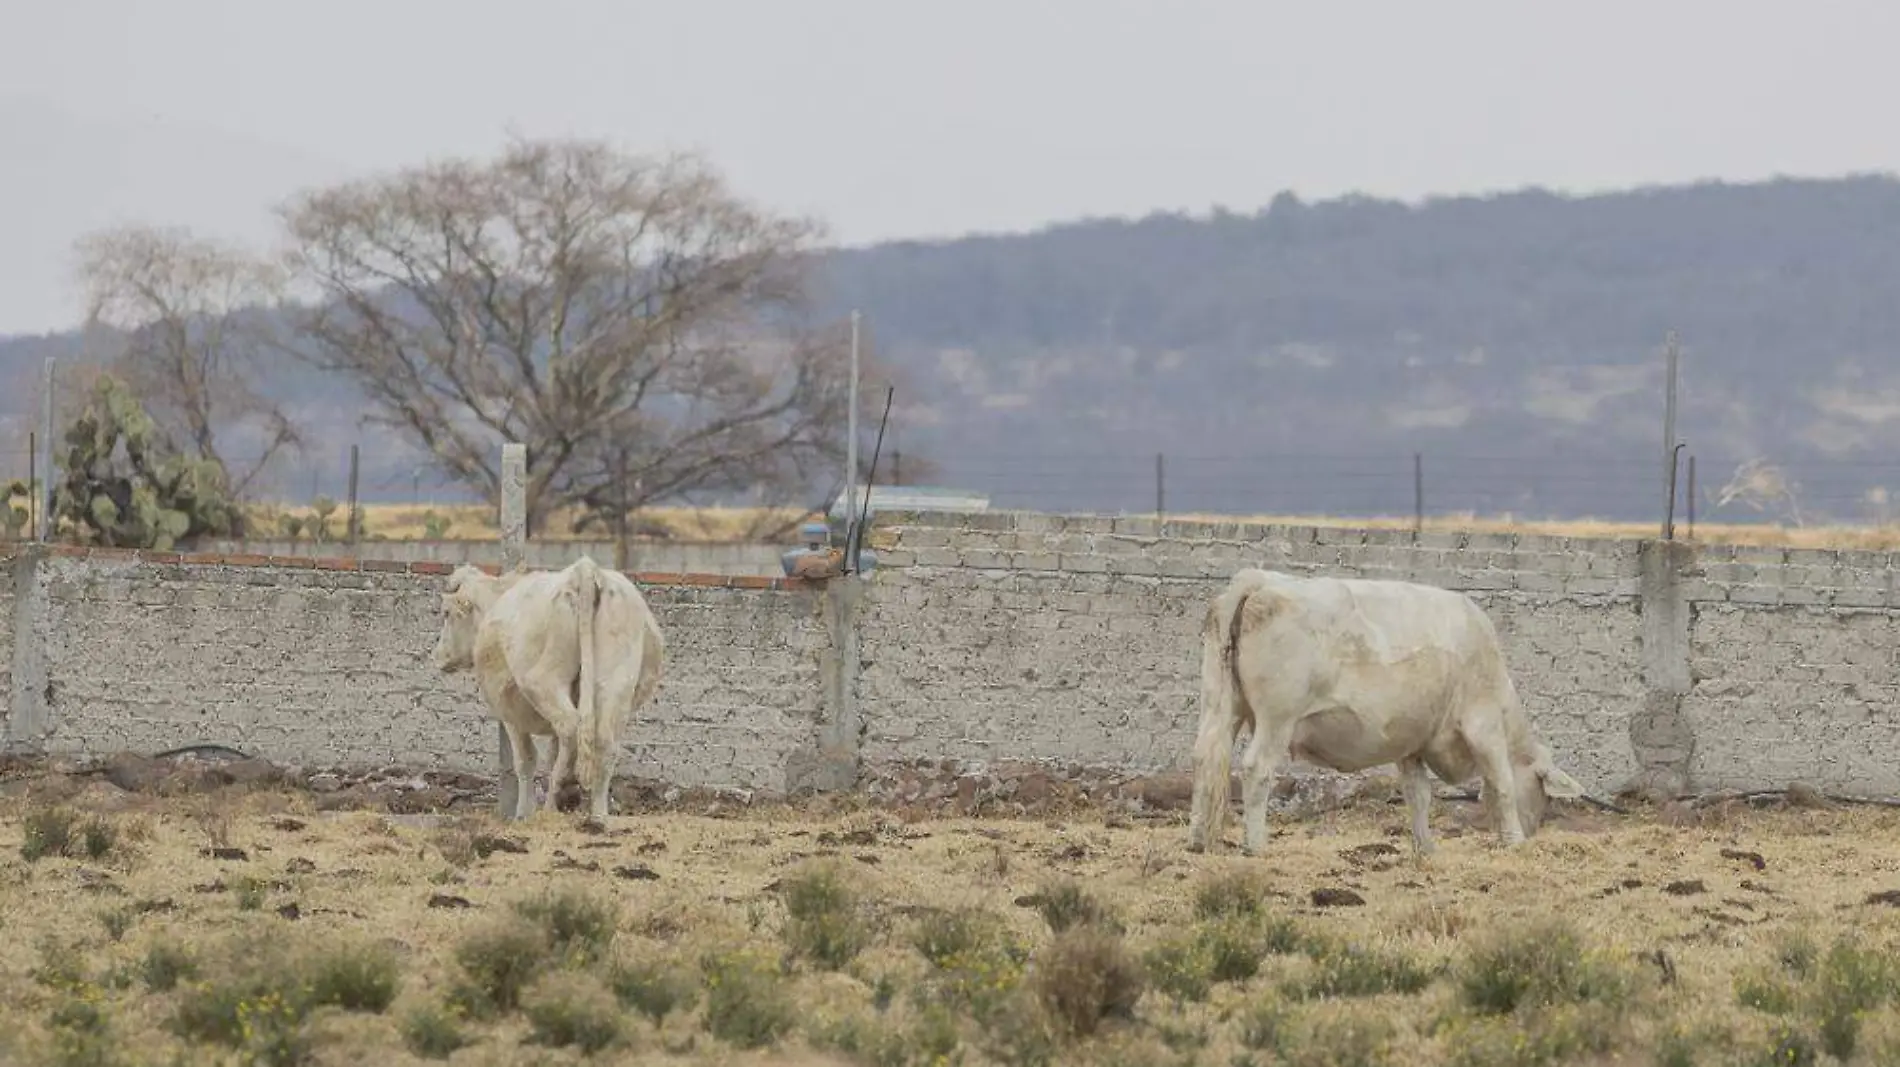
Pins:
x,y
1351,674
569,654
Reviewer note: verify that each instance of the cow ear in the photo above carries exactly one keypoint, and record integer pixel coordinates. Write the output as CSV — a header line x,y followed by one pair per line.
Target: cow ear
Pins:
x,y
1560,785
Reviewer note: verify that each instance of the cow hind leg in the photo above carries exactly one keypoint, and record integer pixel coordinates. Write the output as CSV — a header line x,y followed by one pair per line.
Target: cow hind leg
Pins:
x,y
521,743
551,699
1418,799
1263,756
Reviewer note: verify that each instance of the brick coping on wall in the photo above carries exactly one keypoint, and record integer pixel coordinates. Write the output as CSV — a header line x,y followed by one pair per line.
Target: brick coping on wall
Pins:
x,y
375,566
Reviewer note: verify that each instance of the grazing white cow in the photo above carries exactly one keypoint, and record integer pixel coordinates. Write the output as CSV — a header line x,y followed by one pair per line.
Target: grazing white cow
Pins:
x,y
1350,674
568,654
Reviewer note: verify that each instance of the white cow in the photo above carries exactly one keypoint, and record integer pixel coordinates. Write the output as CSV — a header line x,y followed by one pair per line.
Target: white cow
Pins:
x,y
568,654
1350,674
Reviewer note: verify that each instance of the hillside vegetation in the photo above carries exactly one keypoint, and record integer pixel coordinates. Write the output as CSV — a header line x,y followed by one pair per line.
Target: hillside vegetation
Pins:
x,y
1293,359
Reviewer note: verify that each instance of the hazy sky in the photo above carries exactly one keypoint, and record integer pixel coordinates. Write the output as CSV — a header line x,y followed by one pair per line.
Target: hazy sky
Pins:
x,y
917,119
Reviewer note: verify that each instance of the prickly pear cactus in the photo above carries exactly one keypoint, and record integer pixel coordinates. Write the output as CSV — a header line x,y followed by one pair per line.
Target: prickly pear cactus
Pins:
x,y
13,513
126,486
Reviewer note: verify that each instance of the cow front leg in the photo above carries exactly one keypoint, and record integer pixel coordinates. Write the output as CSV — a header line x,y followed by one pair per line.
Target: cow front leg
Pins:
x,y
1418,800
1501,783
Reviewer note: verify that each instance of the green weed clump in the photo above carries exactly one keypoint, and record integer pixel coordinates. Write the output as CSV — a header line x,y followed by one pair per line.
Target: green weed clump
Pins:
x,y
1536,965
497,964
1826,994
1086,975
747,1003
60,831
654,989
580,927
570,1008
1064,904
823,923
259,1004
433,1031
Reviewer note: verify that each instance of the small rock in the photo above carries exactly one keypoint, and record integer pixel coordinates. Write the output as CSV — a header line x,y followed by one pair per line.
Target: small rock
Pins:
x,y
486,845
287,825
1364,854
639,872
1803,795
1677,814
226,853
300,865
1333,897
650,847
866,858
247,772
1889,897
1754,858
134,773
1686,888
325,783
1036,788
291,911
448,900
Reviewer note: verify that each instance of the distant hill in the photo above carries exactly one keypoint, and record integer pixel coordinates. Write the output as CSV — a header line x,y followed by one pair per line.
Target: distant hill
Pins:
x,y
1293,360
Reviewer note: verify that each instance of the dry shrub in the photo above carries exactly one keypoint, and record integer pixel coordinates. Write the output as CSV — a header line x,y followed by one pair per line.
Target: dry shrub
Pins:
x,y
1064,904
570,1008
498,962
1541,963
930,1037
1233,895
1352,970
579,926
59,831
433,1032
1084,976
823,923
653,988
747,1003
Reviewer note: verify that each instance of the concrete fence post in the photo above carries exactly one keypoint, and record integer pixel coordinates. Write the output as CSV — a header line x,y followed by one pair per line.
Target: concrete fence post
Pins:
x,y
1662,739
514,527
833,765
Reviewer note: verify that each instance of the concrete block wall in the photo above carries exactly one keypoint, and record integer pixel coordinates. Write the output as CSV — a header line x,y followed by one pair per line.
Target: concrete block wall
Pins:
x,y
327,663
1077,638
981,639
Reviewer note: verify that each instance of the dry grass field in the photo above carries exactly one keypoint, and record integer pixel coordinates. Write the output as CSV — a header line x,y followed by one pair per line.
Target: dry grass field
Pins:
x,y
253,928
407,522
403,522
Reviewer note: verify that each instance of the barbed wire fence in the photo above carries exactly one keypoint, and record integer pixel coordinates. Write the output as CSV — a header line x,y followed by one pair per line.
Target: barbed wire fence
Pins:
x,y
1417,488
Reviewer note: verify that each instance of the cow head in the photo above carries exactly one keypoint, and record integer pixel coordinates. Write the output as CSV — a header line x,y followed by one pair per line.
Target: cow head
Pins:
x,y
462,607
1539,783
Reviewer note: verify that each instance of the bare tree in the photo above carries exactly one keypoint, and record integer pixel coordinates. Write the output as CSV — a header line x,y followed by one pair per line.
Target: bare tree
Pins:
x,y
621,316
187,316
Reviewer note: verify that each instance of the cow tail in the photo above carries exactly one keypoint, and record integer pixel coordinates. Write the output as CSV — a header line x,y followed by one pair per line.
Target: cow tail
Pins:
x,y
1221,707
586,606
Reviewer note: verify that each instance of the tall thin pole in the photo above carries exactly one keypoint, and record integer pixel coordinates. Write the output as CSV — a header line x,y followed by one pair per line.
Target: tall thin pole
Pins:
x,y
1418,492
46,428
620,510
514,527
32,481
1671,359
1161,486
355,512
851,442
1692,496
